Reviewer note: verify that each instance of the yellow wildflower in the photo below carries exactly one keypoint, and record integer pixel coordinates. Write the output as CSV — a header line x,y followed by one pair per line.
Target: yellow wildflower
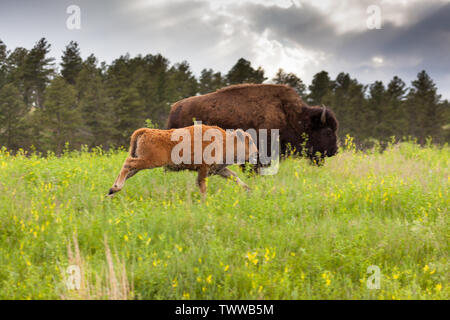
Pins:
x,y
252,257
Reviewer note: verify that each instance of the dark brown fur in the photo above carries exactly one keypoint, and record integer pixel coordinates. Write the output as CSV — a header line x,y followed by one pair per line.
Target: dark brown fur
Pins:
x,y
261,106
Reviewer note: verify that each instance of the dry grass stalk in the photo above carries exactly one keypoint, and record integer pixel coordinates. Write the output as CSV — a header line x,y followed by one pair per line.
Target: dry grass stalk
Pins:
x,y
111,284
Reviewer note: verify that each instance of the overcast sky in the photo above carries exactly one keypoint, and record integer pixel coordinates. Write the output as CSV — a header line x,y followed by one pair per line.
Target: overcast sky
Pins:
x,y
300,36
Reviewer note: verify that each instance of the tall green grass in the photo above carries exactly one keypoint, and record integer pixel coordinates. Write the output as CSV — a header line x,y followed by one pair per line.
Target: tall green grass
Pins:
x,y
306,233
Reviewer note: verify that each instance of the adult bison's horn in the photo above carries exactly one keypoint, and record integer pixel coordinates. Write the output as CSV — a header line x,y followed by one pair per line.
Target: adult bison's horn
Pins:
x,y
323,117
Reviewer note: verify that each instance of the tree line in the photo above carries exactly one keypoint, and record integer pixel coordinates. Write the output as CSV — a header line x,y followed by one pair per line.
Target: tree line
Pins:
x,y
87,102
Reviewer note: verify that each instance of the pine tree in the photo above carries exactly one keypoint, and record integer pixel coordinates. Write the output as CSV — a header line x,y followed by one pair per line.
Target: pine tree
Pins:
x,y
243,72
292,80
94,105
210,81
15,71
3,63
425,109
182,82
377,107
12,113
348,101
37,72
59,118
71,62
129,114
320,86
156,88
127,103
395,116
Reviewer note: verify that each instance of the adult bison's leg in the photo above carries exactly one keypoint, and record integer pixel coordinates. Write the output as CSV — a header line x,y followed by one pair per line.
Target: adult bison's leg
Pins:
x,y
129,169
226,173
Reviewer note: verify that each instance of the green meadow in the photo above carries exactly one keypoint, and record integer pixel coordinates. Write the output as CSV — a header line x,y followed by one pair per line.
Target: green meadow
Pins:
x,y
307,232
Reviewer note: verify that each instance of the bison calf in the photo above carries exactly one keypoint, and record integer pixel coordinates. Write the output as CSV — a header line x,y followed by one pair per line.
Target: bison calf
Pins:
x,y
205,149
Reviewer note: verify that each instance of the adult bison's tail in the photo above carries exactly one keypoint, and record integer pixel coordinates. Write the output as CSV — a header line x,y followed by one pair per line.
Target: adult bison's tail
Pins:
x,y
134,140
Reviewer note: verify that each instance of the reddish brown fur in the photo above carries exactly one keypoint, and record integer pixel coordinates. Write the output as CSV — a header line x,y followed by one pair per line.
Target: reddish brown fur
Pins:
x,y
151,148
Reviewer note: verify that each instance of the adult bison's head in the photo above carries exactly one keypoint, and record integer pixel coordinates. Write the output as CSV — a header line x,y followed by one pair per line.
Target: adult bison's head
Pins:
x,y
320,126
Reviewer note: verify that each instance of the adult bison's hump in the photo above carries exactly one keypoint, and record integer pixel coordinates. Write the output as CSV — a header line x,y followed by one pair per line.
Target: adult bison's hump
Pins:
x,y
239,106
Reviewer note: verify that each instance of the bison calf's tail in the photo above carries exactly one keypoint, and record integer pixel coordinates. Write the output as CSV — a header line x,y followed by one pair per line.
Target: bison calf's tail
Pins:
x,y
134,140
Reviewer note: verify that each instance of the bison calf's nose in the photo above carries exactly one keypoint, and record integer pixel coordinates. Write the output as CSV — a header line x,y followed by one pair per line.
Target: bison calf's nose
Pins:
x,y
111,191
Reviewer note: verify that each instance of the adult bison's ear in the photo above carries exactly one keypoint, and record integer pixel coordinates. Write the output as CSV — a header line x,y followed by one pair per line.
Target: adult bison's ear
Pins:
x,y
321,116
315,117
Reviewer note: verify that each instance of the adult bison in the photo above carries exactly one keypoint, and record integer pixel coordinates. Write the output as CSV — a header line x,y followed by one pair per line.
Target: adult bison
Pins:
x,y
263,106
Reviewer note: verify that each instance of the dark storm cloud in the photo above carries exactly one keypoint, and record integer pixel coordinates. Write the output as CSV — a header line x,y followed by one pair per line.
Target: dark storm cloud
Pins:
x,y
427,42
304,25
423,43
429,38
310,28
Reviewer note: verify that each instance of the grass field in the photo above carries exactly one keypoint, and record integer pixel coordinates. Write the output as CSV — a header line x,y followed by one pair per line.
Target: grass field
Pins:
x,y
306,233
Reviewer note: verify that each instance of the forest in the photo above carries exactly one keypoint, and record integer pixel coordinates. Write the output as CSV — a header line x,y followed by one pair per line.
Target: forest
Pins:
x,y
45,106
